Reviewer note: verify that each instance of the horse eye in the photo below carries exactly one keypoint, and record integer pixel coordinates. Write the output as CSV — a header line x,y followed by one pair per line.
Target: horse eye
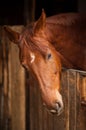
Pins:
x,y
48,56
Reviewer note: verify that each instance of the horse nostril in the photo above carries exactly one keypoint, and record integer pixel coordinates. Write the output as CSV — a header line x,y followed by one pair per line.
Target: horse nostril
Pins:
x,y
58,105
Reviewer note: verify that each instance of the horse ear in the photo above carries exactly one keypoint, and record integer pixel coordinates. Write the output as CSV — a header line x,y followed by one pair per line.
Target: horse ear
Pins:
x,y
41,23
12,35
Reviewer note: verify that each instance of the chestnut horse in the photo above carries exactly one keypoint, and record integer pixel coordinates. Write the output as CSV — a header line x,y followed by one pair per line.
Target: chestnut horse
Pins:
x,y
48,44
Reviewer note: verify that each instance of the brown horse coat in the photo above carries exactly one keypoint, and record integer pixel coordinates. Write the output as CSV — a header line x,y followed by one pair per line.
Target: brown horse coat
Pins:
x,y
67,33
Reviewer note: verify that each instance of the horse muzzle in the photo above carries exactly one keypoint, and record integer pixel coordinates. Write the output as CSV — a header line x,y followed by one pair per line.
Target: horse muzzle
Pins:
x,y
56,107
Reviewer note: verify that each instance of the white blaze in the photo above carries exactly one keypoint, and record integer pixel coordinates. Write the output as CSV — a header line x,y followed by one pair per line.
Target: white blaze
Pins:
x,y
32,57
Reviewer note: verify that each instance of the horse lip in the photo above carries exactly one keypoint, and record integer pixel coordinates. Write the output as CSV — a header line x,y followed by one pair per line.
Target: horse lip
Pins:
x,y
58,109
56,112
53,111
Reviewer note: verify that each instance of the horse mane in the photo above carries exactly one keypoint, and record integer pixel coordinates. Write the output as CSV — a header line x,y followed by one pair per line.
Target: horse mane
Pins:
x,y
66,19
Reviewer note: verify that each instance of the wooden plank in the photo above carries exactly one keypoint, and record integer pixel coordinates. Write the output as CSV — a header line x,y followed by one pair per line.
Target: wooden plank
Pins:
x,y
72,100
65,94
78,102
0,56
40,111
34,118
1,85
83,90
31,103
27,99
81,109
5,86
16,93
45,115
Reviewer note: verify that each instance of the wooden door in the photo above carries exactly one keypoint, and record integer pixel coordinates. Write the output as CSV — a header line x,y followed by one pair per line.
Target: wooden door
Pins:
x,y
73,116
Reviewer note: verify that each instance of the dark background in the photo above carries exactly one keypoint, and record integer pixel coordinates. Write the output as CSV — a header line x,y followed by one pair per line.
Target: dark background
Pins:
x,y
13,12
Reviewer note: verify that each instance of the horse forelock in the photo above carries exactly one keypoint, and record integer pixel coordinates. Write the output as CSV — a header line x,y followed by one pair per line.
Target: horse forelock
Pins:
x,y
33,44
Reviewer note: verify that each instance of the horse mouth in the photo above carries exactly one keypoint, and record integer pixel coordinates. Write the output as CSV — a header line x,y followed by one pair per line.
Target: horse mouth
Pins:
x,y
56,110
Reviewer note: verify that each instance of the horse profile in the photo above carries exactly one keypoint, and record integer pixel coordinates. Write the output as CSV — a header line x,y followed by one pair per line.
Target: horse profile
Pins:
x,y
46,46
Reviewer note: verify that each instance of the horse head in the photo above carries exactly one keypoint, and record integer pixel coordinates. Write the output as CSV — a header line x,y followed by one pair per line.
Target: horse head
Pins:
x,y
39,57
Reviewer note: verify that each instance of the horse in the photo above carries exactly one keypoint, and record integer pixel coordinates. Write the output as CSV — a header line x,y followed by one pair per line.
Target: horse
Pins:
x,y
47,45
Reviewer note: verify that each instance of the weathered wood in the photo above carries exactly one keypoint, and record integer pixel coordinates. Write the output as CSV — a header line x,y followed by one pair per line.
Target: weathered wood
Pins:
x,y
17,85
72,100
4,113
1,84
73,116
81,113
83,91
12,92
65,94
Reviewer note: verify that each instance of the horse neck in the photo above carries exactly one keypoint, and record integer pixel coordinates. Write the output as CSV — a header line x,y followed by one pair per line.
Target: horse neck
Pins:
x,y
59,36
56,35
53,37
51,32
